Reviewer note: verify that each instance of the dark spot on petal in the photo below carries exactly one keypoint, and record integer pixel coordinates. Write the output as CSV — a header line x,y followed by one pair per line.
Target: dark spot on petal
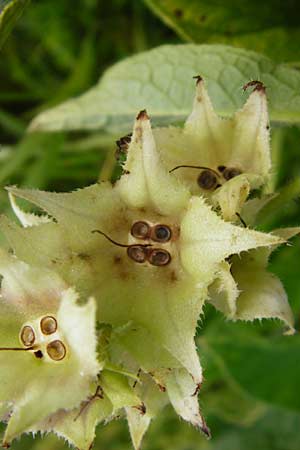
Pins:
x,y
141,408
84,256
173,276
117,259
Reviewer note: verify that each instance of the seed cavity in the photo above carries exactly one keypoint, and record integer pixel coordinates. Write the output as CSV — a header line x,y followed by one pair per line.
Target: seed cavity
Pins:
x,y
140,230
56,350
159,257
27,336
140,253
137,253
48,325
207,180
231,172
161,233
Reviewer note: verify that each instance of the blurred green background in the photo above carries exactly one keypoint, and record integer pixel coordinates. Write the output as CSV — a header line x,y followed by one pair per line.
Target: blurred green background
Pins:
x,y
58,49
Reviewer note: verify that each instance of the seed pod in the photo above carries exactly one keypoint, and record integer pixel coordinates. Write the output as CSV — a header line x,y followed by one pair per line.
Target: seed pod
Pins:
x,y
56,350
27,336
161,233
159,257
48,325
140,230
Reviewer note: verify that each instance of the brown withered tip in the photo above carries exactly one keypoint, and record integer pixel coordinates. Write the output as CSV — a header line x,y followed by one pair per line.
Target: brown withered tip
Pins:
x,y
198,79
198,387
204,428
142,115
258,86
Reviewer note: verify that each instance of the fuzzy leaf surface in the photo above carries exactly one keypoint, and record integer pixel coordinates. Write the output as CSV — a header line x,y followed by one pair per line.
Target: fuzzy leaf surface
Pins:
x,y
161,80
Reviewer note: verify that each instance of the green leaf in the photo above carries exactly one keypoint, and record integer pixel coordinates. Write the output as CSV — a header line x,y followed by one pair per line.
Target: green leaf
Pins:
x,y
285,265
10,11
161,80
270,29
268,369
277,430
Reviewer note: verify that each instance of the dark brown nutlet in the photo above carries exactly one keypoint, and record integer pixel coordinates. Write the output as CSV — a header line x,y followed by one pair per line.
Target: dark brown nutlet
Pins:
x,y
27,336
140,230
56,350
159,257
207,179
161,233
231,172
137,253
48,325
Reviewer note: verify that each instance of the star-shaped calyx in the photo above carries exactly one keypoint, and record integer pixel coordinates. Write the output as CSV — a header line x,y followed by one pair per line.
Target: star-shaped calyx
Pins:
x,y
147,250
47,346
222,159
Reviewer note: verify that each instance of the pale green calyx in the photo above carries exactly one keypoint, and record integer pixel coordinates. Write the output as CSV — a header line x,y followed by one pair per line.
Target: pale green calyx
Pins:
x,y
210,151
150,250
47,346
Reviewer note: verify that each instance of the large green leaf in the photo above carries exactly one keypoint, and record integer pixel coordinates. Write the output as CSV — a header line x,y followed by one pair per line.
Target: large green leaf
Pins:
x,y
10,11
161,81
267,368
270,27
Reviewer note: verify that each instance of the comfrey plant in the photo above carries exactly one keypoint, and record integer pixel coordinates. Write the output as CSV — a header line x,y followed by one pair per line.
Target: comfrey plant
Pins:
x,y
101,296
